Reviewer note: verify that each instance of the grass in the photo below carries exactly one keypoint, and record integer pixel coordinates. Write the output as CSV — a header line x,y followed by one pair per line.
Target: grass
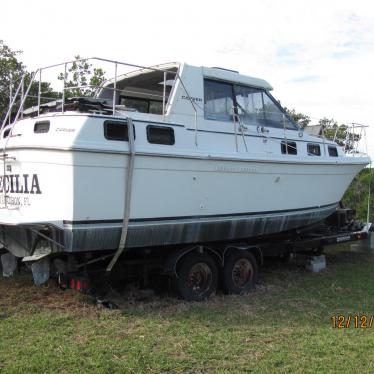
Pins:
x,y
283,326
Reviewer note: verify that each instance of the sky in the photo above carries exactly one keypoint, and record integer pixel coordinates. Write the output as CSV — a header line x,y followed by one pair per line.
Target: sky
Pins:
x,y
318,55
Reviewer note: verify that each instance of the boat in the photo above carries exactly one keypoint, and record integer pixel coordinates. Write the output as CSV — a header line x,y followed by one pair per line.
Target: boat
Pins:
x,y
167,155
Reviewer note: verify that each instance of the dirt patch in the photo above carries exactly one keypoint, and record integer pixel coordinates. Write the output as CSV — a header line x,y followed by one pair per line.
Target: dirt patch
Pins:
x,y
20,291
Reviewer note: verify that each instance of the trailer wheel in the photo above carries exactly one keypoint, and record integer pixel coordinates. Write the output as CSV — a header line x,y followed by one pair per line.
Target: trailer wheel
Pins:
x,y
197,277
240,273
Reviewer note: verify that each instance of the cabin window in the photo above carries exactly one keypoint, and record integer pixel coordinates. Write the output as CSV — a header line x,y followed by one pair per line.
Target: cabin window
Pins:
x,y
116,130
274,116
155,107
249,103
218,101
147,84
333,152
41,127
257,106
288,148
142,105
314,150
160,135
253,105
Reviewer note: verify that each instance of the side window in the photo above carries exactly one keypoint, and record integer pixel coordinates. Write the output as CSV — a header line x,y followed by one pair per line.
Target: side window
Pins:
x,y
288,148
274,116
160,135
41,127
258,107
333,152
116,130
218,100
142,105
155,107
314,149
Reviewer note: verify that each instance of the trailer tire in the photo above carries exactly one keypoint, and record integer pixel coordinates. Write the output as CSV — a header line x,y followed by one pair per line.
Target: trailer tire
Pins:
x,y
197,277
240,273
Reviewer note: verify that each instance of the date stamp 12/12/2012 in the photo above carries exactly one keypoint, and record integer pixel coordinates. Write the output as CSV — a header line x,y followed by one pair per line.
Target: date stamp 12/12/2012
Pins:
x,y
356,321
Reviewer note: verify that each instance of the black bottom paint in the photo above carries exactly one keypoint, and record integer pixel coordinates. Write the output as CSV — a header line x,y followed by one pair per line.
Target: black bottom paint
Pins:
x,y
98,235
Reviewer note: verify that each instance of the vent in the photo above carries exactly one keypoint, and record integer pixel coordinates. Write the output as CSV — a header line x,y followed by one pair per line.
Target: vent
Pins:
x,y
6,133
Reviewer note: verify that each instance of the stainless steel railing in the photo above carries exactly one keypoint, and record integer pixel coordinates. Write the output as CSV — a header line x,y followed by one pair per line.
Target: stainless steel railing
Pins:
x,y
39,72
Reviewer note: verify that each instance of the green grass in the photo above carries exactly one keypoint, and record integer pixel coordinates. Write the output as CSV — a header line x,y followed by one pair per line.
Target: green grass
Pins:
x,y
284,326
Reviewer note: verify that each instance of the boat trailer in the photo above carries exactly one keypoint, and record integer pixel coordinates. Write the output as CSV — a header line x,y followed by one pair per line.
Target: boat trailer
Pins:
x,y
196,269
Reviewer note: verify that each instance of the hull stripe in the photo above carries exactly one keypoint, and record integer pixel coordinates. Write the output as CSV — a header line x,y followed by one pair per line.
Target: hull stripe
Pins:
x,y
89,222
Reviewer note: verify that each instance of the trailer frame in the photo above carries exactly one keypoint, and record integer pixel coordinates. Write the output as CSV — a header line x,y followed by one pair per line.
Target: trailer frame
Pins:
x,y
212,259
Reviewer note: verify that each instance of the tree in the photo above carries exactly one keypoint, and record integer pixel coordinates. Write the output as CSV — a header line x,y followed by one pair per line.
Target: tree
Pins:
x,y
82,78
301,119
46,92
11,72
81,74
357,195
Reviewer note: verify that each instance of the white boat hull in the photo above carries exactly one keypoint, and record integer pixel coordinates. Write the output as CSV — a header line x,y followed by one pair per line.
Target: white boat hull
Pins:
x,y
175,200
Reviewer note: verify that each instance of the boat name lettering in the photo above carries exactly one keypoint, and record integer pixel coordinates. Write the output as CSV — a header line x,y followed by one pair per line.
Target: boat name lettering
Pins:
x,y
196,99
16,183
233,169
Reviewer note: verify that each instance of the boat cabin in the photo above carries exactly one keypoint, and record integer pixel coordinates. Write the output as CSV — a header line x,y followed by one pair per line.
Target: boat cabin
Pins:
x,y
194,109
215,94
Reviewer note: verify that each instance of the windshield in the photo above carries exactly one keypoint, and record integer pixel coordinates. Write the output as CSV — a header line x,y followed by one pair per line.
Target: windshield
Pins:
x,y
255,105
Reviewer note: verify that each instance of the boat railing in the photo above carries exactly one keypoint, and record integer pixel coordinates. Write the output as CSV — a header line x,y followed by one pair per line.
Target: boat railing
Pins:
x,y
356,140
18,98
354,134
351,137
